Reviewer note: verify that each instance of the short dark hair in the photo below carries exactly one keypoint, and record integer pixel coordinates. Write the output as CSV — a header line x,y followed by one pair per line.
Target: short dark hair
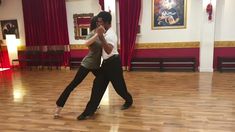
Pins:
x,y
93,23
106,16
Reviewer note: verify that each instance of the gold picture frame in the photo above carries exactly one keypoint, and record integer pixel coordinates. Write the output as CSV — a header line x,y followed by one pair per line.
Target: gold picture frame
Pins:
x,y
82,25
169,14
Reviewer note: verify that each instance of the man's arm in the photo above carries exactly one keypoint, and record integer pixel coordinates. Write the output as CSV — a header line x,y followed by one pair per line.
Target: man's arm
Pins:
x,y
107,47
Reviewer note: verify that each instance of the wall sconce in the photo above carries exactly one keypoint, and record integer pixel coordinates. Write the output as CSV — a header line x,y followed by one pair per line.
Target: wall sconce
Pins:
x,y
209,6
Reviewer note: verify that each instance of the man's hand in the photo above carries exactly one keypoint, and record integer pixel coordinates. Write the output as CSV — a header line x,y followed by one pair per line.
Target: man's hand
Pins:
x,y
106,46
100,30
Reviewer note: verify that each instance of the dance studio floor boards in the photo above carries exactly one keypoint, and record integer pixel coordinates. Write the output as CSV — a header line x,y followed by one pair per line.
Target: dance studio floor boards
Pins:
x,y
163,102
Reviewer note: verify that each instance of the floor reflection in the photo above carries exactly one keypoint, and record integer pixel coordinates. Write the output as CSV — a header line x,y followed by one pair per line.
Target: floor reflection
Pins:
x,y
205,83
105,99
4,69
12,82
18,94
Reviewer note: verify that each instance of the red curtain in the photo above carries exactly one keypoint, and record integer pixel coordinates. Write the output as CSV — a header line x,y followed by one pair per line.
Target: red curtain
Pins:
x,y
101,2
45,22
129,11
4,58
46,25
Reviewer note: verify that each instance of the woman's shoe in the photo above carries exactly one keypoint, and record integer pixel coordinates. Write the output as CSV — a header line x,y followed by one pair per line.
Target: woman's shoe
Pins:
x,y
57,112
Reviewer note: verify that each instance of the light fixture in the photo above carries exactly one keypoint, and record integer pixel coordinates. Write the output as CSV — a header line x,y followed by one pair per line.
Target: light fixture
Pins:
x,y
12,44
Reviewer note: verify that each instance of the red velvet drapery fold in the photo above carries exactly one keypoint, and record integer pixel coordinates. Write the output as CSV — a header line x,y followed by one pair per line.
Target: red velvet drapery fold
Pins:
x,y
45,22
129,11
46,25
4,58
101,2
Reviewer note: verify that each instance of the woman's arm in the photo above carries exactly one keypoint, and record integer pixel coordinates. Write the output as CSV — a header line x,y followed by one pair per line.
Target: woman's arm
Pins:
x,y
91,40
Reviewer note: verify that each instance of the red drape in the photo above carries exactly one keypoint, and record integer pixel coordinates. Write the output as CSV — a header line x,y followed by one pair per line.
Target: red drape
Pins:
x,y
45,22
101,2
4,58
46,25
129,11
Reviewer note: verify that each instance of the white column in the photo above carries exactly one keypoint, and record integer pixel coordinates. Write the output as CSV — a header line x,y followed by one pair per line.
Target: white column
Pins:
x,y
207,38
110,5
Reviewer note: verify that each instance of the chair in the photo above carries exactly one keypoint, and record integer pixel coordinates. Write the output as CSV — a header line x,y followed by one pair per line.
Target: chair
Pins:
x,y
52,58
24,59
34,59
57,58
75,62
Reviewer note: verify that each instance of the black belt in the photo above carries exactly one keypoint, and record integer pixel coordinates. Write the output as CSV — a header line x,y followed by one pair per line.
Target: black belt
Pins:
x,y
111,58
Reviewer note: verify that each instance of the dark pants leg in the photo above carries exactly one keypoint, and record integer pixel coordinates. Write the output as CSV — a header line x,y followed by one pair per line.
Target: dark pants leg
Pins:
x,y
110,71
99,86
113,71
81,74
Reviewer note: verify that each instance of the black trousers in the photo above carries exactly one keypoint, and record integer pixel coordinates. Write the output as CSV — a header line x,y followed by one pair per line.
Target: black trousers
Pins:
x,y
80,75
111,70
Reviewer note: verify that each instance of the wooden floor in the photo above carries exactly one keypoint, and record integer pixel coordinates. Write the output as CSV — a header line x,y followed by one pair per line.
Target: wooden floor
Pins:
x,y
163,102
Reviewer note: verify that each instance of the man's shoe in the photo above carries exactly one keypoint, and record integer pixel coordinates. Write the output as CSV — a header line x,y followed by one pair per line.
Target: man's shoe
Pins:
x,y
126,105
84,116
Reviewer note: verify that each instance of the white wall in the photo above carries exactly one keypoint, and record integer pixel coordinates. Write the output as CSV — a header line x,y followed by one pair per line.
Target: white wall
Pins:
x,y
225,18
78,7
190,33
12,9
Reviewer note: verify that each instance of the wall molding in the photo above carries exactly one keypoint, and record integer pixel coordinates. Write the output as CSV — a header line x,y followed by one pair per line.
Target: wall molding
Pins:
x,y
77,46
168,45
218,44
3,47
21,48
152,45
224,44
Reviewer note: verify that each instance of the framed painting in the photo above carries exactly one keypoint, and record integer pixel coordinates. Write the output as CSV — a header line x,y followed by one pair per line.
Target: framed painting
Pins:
x,y
82,25
9,27
169,14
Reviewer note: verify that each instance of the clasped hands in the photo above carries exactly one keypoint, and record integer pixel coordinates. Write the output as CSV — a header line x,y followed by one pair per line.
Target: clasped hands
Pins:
x,y
100,31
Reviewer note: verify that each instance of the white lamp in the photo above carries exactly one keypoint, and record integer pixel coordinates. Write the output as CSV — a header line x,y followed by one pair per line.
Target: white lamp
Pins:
x,y
12,43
